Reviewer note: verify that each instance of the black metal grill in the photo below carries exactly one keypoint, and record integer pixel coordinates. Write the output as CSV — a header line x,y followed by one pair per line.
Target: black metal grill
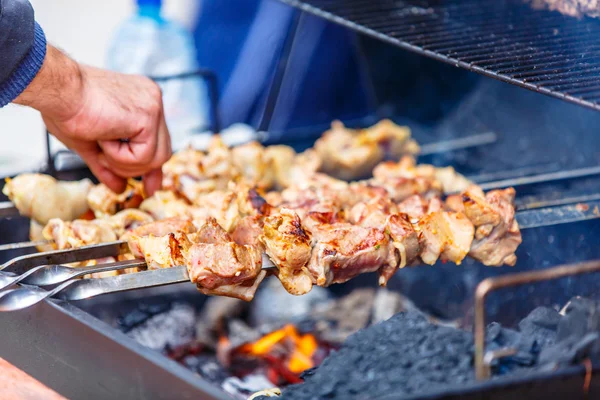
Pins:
x,y
508,40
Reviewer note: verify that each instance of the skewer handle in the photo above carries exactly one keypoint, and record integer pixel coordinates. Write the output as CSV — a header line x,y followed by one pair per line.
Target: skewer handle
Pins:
x,y
79,289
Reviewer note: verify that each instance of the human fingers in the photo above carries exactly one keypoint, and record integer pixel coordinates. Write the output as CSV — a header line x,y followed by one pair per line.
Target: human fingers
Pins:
x,y
138,151
163,149
113,181
152,181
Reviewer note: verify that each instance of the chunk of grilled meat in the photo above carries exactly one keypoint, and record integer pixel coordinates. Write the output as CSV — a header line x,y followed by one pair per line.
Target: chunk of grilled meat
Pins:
x,y
342,251
104,202
445,235
160,251
349,154
406,241
405,178
166,204
254,164
497,234
78,233
42,198
289,247
219,266
215,263
161,228
128,219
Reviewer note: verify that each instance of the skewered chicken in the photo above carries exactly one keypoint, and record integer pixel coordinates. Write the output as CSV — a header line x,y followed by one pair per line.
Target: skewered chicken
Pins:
x,y
41,197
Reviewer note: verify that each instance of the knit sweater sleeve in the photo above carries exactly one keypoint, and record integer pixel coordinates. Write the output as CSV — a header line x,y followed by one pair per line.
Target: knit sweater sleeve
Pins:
x,y
22,48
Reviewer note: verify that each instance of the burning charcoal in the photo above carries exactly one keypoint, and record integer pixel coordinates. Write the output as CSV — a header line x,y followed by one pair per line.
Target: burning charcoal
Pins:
x,y
242,388
577,337
140,314
274,305
405,355
166,330
208,367
542,324
498,338
580,317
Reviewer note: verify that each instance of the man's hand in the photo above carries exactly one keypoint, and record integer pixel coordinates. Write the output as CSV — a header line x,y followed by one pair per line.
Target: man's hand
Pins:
x,y
115,122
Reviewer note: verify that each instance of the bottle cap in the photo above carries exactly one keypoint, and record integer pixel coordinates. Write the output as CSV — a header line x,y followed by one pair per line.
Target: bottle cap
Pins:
x,y
154,3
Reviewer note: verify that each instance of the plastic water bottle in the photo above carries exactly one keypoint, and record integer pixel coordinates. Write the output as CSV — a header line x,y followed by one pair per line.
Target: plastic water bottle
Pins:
x,y
148,44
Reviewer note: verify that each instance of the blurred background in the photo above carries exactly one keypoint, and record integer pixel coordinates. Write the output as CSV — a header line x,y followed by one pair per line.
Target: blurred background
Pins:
x,y
278,70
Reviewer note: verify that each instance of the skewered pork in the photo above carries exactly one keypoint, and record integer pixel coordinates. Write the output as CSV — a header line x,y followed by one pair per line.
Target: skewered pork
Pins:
x,y
497,234
214,217
289,246
41,197
215,263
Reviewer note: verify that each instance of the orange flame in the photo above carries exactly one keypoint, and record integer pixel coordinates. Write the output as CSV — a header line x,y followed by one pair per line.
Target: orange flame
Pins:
x,y
300,348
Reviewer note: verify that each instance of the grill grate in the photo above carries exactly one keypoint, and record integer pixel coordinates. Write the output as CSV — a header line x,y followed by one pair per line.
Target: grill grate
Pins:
x,y
508,40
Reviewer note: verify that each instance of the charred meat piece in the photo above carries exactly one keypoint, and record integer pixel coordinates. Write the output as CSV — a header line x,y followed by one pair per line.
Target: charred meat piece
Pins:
x,y
105,202
342,251
289,246
445,235
497,234
160,251
213,265
42,198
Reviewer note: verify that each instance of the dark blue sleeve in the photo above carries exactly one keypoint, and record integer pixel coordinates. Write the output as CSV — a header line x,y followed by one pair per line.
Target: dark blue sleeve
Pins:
x,y
22,48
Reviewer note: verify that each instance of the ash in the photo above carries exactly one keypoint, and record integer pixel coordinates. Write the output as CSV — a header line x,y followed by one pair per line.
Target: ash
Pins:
x,y
407,355
165,330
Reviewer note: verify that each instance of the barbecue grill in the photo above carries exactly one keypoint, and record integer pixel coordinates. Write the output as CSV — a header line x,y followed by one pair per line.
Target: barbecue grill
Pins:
x,y
499,135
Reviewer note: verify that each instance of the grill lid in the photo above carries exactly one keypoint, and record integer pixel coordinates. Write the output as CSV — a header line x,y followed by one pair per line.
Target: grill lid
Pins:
x,y
508,40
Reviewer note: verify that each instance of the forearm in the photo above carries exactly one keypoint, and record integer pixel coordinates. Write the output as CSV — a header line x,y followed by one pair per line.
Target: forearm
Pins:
x,y
22,48
57,88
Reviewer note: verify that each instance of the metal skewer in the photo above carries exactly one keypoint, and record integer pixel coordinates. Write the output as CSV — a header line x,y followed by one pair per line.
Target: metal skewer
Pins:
x,y
8,209
52,274
79,289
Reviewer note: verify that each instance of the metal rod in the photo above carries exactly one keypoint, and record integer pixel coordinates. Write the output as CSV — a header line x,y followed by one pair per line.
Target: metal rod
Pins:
x,y
491,284
531,204
458,144
22,264
24,245
541,178
52,274
8,209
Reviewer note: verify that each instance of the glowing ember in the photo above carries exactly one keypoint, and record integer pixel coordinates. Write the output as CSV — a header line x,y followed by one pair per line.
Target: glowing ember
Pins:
x,y
295,350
